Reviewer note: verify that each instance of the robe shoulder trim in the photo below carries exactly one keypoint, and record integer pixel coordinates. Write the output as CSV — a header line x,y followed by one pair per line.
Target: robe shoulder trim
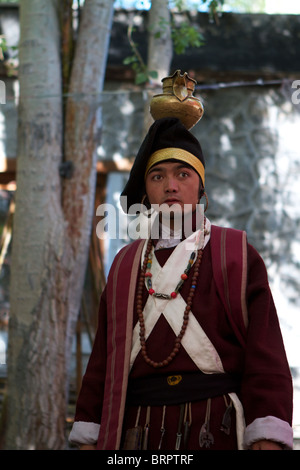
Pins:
x,y
121,285
229,260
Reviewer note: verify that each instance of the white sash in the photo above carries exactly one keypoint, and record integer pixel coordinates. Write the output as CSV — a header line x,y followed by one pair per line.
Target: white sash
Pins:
x,y
164,280
195,341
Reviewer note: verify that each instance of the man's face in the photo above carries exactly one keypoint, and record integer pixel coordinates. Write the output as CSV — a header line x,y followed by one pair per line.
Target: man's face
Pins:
x,y
173,183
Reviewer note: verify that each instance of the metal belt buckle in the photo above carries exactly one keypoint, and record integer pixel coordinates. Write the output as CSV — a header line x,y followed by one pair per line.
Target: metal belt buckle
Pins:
x,y
174,379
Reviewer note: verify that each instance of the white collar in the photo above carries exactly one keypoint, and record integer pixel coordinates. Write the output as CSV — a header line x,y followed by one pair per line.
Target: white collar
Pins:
x,y
170,238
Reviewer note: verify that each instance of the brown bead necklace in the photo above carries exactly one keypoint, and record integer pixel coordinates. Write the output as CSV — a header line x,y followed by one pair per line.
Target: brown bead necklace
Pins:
x,y
139,304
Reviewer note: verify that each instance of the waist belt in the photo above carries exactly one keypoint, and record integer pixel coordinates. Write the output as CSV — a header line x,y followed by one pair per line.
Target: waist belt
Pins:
x,y
182,388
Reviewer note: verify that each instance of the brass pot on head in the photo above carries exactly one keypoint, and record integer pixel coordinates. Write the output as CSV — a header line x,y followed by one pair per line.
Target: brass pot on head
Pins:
x,y
177,100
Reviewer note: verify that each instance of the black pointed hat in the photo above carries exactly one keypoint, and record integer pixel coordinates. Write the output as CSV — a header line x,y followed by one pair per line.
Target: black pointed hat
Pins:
x,y
166,139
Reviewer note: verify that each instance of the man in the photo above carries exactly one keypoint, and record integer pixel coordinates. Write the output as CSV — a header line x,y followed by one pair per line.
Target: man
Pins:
x,y
188,352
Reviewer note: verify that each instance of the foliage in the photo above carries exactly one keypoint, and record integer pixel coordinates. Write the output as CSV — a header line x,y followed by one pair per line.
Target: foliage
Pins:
x,y
213,5
183,36
3,46
11,63
142,74
186,36
245,6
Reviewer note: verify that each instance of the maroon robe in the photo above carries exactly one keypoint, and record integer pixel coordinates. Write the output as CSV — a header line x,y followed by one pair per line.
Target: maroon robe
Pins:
x,y
266,388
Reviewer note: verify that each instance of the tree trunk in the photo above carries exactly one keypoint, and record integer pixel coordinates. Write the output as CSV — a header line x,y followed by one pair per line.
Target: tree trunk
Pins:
x,y
160,50
52,220
82,128
37,320
160,46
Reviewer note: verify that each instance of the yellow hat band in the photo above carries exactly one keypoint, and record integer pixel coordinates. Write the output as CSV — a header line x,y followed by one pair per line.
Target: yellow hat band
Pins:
x,y
176,154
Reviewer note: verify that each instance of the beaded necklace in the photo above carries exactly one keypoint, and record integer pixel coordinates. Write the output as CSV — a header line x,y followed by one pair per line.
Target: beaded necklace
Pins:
x,y
183,277
146,273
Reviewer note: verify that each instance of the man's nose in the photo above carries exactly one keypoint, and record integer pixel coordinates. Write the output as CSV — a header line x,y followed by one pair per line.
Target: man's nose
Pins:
x,y
171,185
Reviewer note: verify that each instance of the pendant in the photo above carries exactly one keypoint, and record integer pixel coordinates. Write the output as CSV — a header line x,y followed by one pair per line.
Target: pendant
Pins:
x,y
206,439
226,421
187,424
162,428
133,439
179,432
146,430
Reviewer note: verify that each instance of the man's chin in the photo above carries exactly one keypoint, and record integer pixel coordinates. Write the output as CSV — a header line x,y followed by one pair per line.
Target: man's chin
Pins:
x,y
173,211
177,213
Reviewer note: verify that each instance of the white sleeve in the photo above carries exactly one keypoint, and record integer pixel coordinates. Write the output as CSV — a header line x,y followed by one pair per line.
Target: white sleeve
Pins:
x,y
84,433
269,428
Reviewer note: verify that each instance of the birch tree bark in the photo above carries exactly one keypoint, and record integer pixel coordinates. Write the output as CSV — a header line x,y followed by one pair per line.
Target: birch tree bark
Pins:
x,y
160,45
52,221
160,50
36,339
82,124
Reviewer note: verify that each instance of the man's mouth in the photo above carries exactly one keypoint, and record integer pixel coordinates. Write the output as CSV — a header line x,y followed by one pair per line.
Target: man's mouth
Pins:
x,y
172,201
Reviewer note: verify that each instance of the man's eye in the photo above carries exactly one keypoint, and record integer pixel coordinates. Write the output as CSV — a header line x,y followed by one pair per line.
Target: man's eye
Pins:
x,y
156,177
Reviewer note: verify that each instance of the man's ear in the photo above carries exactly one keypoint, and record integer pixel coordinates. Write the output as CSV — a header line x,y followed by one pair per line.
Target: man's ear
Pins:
x,y
201,191
145,202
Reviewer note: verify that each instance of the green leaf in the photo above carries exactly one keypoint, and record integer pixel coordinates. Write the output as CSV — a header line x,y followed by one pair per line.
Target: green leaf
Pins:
x,y
141,78
129,60
153,74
